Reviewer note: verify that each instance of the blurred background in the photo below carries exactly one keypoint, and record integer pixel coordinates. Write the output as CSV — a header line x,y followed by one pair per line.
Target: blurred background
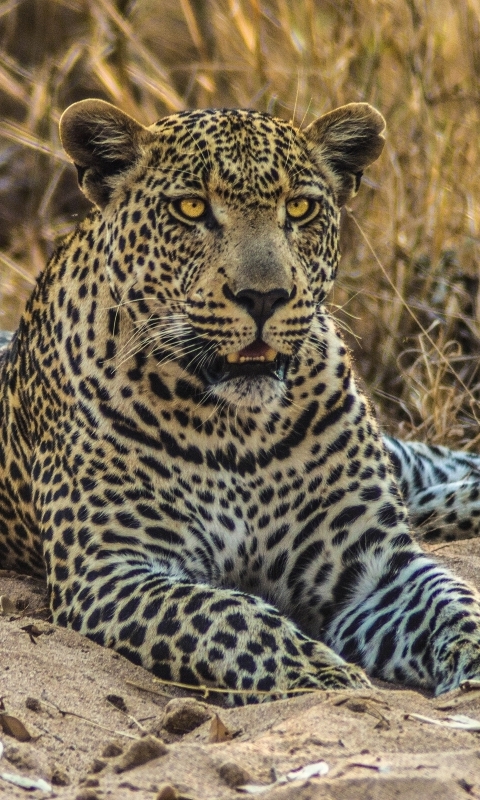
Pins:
x,y
408,293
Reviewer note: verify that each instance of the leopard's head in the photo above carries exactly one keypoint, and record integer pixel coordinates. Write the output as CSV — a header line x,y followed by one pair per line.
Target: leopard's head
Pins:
x,y
222,231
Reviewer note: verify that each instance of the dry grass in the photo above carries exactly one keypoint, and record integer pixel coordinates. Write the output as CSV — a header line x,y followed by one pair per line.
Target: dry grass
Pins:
x,y
409,282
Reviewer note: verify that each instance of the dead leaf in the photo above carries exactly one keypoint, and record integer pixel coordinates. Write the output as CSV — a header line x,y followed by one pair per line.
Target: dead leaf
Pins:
x,y
464,723
7,606
26,783
316,770
219,731
256,788
459,721
14,727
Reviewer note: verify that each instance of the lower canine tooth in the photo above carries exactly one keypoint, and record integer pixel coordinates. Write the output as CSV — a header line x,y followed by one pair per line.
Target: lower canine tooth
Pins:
x,y
270,355
233,358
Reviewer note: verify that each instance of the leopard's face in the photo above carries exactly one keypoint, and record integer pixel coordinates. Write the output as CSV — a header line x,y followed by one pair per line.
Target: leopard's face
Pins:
x,y
221,242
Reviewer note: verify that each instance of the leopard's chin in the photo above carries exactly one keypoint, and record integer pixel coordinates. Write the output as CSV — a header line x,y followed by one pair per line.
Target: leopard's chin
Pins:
x,y
246,381
254,392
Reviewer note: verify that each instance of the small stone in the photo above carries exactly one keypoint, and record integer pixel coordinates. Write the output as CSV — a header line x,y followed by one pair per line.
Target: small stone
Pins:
x,y
7,606
112,750
21,755
155,727
167,792
88,780
233,775
97,765
140,752
59,777
33,704
87,794
117,701
184,715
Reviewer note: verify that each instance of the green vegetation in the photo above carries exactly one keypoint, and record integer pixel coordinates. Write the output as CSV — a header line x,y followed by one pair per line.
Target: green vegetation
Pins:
x,y
409,280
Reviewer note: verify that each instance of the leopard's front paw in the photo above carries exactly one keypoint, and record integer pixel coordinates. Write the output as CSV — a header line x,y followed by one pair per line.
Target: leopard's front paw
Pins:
x,y
463,665
347,677
327,670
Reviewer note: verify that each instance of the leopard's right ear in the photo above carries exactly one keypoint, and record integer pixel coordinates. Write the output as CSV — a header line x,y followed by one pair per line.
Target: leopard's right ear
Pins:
x,y
345,142
102,142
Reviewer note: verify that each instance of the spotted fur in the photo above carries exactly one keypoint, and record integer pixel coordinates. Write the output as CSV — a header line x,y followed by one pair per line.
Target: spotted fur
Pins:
x,y
185,450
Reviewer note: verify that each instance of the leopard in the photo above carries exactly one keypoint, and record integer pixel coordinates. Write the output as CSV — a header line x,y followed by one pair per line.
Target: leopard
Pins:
x,y
187,455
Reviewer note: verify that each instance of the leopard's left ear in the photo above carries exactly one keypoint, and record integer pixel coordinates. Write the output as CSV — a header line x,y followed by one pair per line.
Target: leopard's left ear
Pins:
x,y
103,142
347,141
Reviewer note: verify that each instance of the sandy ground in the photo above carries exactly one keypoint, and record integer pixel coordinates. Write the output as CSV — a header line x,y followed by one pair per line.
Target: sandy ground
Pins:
x,y
101,727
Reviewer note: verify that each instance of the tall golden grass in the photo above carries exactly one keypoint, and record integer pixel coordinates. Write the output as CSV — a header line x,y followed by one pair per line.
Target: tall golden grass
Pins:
x,y
408,291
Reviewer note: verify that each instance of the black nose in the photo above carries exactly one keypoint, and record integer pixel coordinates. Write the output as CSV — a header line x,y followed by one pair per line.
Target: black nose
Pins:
x,y
260,305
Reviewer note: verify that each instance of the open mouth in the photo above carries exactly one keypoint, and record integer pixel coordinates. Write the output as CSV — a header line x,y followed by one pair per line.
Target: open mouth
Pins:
x,y
257,359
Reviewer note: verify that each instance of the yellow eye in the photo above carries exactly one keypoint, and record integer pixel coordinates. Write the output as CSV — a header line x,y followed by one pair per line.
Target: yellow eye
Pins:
x,y
300,207
193,207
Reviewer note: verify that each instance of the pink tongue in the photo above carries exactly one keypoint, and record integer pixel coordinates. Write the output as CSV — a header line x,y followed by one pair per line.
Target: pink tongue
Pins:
x,y
255,350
